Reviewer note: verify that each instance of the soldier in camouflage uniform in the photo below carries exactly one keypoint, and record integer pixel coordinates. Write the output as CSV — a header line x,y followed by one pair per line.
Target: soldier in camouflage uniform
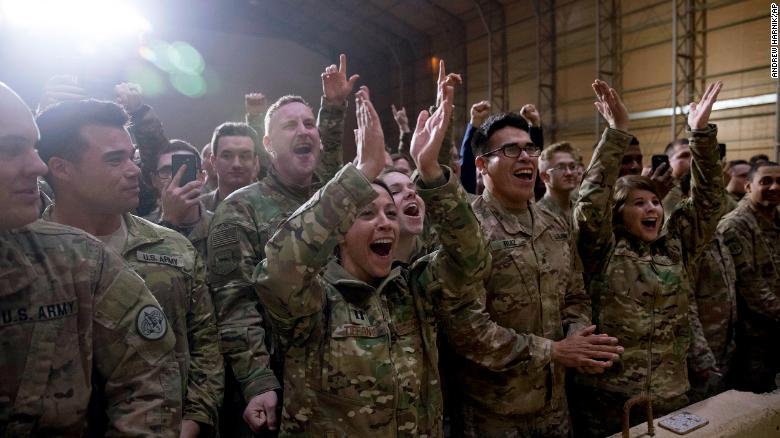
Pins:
x,y
359,334
715,311
95,184
752,235
412,243
73,318
637,273
558,169
155,151
535,287
246,220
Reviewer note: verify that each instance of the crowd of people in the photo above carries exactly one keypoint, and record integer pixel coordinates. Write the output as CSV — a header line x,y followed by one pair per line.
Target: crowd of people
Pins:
x,y
261,286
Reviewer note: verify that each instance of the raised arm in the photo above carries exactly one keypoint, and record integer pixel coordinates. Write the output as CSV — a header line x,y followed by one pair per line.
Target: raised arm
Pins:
x,y
696,221
593,211
336,88
404,133
255,105
445,82
534,119
145,126
286,280
468,170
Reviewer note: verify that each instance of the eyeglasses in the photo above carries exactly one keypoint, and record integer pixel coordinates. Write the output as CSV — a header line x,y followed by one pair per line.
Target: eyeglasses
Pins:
x,y
563,167
514,150
165,172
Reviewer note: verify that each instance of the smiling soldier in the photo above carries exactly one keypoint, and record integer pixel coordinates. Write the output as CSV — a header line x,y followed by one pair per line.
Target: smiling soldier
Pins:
x,y
535,287
96,183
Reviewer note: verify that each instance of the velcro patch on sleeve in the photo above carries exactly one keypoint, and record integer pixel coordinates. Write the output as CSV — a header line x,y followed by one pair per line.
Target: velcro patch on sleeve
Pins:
x,y
151,323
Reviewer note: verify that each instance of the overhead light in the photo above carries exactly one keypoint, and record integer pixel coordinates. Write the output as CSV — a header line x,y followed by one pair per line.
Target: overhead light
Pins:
x,y
91,19
741,102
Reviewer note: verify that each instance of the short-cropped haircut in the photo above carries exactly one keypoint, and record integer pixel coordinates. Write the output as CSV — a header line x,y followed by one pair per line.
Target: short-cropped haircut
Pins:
x,y
493,124
60,126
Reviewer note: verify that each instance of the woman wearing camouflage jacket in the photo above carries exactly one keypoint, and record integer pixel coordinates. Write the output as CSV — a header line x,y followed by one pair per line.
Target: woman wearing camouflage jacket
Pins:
x,y
359,334
636,268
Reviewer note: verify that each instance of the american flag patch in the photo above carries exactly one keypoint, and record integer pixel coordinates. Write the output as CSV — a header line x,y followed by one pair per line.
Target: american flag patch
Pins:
x,y
224,236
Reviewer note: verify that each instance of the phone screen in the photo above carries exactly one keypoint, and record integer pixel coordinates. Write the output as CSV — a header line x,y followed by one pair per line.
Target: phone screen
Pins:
x,y
190,174
658,159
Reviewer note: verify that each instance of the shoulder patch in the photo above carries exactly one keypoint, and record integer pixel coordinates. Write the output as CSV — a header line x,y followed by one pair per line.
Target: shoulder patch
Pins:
x,y
224,236
224,261
734,247
151,323
163,259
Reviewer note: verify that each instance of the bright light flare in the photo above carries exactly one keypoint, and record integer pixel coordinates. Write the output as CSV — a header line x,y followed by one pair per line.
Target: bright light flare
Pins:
x,y
92,19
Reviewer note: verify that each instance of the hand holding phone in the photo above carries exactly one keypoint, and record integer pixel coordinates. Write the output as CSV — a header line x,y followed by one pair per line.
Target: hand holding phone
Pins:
x,y
658,160
190,173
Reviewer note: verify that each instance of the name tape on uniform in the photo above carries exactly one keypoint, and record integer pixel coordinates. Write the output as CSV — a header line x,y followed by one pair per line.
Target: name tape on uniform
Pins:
x,y
43,312
505,244
162,259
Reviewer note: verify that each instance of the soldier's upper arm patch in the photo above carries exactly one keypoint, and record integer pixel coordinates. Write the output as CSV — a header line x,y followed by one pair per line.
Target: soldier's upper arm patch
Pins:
x,y
151,323
224,236
735,248
224,261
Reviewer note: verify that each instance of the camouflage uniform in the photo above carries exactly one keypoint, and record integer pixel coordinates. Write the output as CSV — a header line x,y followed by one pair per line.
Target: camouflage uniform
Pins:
x,y
77,323
715,311
197,233
549,207
535,287
175,274
360,360
242,225
754,244
211,200
640,290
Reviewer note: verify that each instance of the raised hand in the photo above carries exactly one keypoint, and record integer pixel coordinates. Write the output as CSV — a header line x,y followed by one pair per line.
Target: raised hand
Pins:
x,y
479,112
664,181
255,103
699,113
369,138
129,95
445,80
610,106
531,115
179,203
335,85
59,89
401,119
428,137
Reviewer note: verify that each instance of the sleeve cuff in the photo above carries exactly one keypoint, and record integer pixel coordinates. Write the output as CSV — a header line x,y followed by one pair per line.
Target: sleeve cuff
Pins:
x,y
355,184
541,352
261,385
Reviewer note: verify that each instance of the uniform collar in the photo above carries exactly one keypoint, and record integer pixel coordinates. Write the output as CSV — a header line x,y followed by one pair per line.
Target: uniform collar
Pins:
x,y
761,221
509,221
139,233
351,287
301,194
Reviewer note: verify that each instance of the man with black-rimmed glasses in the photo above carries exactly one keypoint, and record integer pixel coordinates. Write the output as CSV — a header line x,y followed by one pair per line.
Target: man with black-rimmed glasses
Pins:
x,y
535,287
